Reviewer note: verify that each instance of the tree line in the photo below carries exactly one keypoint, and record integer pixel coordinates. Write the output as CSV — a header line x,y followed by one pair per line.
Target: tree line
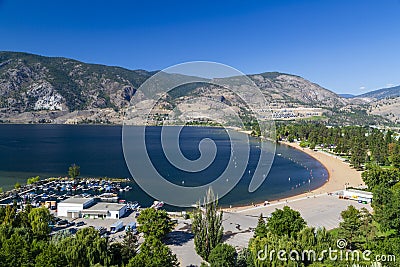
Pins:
x,y
373,150
26,240
361,145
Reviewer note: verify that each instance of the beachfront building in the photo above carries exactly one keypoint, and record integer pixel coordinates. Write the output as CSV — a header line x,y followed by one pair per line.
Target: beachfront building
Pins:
x,y
359,195
90,208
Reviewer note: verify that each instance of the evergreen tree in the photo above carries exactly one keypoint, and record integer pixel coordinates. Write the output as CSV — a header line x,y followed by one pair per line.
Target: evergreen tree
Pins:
x,y
223,255
367,228
350,226
129,246
153,253
207,226
261,229
115,254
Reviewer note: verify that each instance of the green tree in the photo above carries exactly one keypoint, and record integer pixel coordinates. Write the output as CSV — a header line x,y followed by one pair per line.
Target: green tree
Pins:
x,y
115,254
58,236
153,253
386,206
9,215
50,256
306,237
304,144
395,157
223,255
74,171
16,250
17,185
264,250
367,229
358,154
39,219
381,204
349,228
154,223
207,226
85,249
375,175
261,229
285,222
22,217
32,180
312,146
244,258
129,246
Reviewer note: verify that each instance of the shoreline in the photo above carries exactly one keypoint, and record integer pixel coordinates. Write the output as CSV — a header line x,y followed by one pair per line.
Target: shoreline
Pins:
x,y
339,173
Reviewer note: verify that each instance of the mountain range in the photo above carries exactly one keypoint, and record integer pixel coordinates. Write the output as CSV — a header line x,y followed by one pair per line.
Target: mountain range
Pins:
x,y
38,89
390,92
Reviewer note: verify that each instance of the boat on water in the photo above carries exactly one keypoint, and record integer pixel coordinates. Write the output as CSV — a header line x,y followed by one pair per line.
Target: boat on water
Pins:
x,y
157,204
109,197
133,205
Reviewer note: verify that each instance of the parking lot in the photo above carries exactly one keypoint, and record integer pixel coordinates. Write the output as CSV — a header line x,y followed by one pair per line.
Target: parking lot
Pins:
x,y
106,223
322,211
319,211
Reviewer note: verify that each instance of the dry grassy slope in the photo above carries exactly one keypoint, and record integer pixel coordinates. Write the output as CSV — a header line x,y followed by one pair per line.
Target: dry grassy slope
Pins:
x,y
389,108
59,90
283,88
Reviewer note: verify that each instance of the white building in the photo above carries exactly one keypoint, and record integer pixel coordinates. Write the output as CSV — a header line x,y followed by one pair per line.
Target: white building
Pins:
x,y
359,195
72,207
105,210
90,208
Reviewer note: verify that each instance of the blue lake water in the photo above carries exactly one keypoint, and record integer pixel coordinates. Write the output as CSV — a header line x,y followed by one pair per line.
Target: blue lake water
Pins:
x,y
48,150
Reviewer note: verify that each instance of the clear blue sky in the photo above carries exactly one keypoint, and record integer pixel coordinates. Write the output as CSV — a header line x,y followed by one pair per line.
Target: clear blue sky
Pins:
x,y
350,46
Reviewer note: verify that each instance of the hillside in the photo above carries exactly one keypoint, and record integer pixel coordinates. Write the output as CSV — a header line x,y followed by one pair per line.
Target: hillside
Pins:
x,y
281,88
38,89
30,84
379,94
346,95
383,102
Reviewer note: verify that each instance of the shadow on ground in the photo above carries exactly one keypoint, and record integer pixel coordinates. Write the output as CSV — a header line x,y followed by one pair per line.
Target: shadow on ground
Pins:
x,y
178,238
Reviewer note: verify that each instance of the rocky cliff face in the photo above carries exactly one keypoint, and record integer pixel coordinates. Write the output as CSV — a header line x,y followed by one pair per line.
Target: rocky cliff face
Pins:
x,y
35,89
281,89
31,84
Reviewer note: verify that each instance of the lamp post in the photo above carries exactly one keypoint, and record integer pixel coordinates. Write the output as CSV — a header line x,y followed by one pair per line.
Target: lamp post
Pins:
x,y
345,186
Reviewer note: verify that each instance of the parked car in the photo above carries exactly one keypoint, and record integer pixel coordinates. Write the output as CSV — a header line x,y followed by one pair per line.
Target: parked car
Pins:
x,y
80,224
62,222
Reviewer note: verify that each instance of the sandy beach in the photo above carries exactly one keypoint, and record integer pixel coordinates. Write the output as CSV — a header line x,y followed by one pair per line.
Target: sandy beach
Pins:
x,y
340,173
